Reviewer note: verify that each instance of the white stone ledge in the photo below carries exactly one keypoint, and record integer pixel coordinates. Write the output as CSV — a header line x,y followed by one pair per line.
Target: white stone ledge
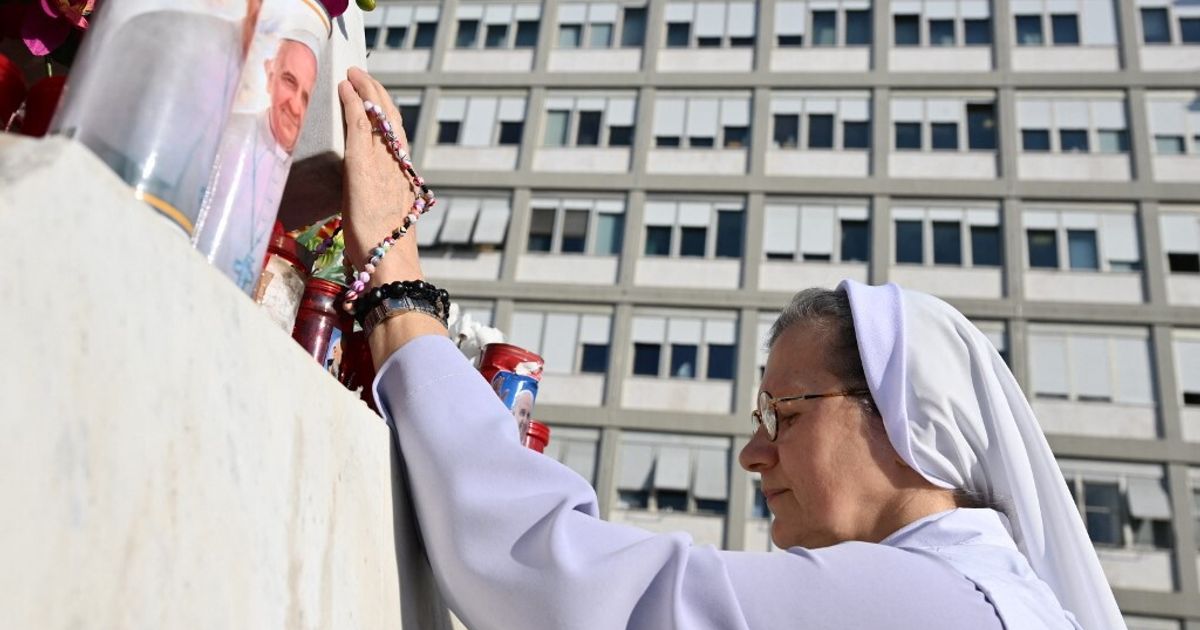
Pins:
x,y
171,459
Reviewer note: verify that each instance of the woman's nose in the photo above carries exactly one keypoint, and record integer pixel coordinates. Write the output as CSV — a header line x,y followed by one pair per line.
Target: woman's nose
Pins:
x,y
759,453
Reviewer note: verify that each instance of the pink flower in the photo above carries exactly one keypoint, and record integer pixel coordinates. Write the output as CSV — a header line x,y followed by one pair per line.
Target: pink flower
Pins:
x,y
49,22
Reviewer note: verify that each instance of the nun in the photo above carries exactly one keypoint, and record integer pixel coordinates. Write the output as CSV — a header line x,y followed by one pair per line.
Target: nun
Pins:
x,y
910,483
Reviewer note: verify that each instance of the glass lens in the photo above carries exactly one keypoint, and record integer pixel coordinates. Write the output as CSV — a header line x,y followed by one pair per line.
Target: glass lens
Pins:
x,y
767,412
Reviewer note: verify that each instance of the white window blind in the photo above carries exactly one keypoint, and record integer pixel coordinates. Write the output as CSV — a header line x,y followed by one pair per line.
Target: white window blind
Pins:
x,y
526,330
781,228
974,9
649,329
559,340
695,214
469,11
735,112
1167,117
373,18
1090,366
702,117
511,110
572,13
1187,360
602,13
428,14
854,109
790,18
816,230
680,12
498,14
481,119
620,111
741,19
1148,499
397,15
1180,232
1048,365
493,222
1070,114
660,213
1119,237
1097,23
669,116
720,331
1108,114
428,228
940,9
581,457
637,462
683,330
1132,359
710,19
907,110
712,475
672,468
527,12
595,329
1033,114
460,220
451,109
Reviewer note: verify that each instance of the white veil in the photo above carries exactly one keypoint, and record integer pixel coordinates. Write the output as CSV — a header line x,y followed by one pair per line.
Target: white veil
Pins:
x,y
954,412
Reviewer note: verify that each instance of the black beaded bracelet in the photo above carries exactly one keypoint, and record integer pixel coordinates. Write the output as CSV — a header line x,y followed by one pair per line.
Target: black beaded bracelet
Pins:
x,y
412,289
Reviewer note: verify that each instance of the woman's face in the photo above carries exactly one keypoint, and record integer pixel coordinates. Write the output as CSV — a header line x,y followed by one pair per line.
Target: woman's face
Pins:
x,y
823,476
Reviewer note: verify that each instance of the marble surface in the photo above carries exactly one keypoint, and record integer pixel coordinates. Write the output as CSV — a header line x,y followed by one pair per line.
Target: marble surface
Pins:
x,y
171,459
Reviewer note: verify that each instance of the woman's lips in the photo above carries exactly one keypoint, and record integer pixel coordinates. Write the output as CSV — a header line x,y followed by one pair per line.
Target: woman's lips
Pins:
x,y
772,494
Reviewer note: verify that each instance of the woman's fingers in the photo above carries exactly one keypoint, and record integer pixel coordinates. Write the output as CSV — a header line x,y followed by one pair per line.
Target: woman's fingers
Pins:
x,y
358,127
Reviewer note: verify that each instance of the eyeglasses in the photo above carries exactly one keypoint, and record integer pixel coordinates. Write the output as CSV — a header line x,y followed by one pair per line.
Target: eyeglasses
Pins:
x,y
767,416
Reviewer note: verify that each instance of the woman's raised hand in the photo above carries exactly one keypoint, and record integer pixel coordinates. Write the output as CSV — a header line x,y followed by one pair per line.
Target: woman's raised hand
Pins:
x,y
378,194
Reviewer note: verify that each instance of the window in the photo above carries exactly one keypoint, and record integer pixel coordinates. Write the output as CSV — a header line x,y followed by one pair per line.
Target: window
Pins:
x,y
1187,366
601,36
908,136
1156,28
1169,145
658,240
570,342
1091,364
679,35
468,32
1189,30
1029,30
858,28
906,30
633,34
947,243
1174,121
1102,503
646,357
941,32
692,241
371,36
683,361
1043,249
715,24
812,231
426,35
556,128
1073,140
1065,29
1093,241
702,122
820,131
1035,140
496,36
944,136
698,347
395,36
527,34
564,226
981,126
409,107
1066,125
510,132
1123,505
588,132
581,121
661,472
1181,241
787,130
472,224
1081,248
985,246
570,35
977,32
856,135
448,131
909,242
824,28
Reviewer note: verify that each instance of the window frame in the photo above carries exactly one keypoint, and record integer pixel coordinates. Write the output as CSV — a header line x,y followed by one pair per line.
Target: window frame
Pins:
x,y
574,116
801,102
1092,127
578,312
725,42
512,26
720,140
1061,234
694,446
851,206
562,204
665,352
711,233
1079,473
958,29
840,29
1068,336
617,35
929,216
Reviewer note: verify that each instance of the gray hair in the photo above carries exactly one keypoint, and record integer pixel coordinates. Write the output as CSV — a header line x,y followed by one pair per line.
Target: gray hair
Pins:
x,y
827,312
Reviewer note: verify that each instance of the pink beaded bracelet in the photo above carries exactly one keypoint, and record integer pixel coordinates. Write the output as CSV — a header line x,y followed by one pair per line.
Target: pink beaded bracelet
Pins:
x,y
424,202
